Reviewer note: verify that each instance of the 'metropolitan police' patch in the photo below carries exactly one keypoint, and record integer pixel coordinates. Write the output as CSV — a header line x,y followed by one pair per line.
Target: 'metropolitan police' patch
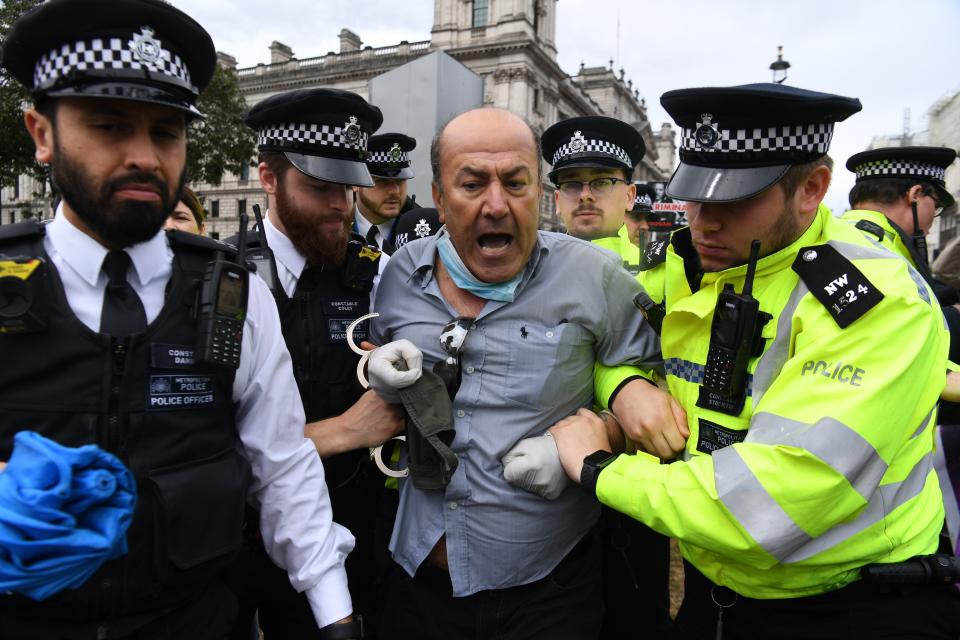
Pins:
x,y
172,392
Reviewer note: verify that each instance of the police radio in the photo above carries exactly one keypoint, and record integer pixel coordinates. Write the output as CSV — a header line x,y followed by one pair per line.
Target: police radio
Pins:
x,y
261,256
734,338
223,306
360,267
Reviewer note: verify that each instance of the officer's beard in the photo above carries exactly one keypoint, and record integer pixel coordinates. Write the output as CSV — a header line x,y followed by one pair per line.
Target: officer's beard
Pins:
x,y
319,244
116,223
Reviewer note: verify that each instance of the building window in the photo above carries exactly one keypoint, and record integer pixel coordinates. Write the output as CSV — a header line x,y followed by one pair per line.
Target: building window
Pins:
x,y
481,11
215,235
536,100
215,209
244,172
536,17
241,206
16,188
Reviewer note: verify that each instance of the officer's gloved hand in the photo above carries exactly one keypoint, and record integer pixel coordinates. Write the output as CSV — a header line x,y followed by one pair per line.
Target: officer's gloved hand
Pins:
x,y
395,365
534,465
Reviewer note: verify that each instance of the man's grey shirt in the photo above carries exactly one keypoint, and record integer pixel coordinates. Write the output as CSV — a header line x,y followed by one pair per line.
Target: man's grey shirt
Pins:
x,y
526,364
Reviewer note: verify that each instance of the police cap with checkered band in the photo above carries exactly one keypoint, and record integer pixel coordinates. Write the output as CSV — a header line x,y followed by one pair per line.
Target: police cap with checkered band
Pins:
x,y
388,156
322,132
927,165
643,201
739,141
595,142
141,50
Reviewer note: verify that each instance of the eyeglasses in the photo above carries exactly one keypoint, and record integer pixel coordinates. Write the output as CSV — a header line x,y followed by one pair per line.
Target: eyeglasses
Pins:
x,y
452,337
599,187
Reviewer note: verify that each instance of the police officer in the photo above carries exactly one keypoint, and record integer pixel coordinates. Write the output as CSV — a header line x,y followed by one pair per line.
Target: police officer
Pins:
x,y
378,206
810,443
115,348
898,193
637,218
593,158
312,146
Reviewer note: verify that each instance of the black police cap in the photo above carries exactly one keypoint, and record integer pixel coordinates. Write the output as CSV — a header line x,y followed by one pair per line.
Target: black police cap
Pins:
x,y
592,142
646,196
322,132
739,141
142,50
923,164
415,224
388,156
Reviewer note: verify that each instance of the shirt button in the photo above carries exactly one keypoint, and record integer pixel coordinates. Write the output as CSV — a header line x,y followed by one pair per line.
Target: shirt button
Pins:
x,y
453,506
473,326
470,369
461,413
549,334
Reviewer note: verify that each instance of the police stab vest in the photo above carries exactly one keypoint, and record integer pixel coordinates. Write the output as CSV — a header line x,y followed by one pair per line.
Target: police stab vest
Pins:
x,y
145,399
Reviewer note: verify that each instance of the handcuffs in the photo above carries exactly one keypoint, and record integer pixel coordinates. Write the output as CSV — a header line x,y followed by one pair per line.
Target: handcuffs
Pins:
x,y
376,453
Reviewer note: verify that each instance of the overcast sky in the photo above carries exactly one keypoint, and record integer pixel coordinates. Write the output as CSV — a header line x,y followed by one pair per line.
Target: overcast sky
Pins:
x,y
892,54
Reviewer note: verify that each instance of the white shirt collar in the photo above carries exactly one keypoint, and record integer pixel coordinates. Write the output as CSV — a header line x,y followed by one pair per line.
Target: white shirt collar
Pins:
x,y
363,225
283,249
85,255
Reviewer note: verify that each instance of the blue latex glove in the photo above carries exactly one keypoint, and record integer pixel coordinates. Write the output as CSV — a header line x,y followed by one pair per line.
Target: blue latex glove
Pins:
x,y
63,513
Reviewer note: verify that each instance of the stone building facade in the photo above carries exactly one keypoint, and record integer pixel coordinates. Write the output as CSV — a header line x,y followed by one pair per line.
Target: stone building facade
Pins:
x,y
510,44
944,131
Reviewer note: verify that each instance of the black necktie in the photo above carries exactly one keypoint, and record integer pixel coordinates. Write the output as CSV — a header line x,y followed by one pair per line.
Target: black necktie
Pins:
x,y
309,279
372,236
122,312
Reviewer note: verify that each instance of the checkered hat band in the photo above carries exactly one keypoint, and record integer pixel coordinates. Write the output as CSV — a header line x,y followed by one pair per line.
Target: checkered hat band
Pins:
x,y
101,54
384,157
811,138
900,168
300,135
593,147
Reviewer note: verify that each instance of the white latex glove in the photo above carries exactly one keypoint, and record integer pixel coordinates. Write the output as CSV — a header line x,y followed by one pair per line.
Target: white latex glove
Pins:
x,y
534,465
395,365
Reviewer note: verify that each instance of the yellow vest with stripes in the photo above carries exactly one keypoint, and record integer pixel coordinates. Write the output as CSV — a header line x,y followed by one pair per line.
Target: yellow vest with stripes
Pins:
x,y
831,466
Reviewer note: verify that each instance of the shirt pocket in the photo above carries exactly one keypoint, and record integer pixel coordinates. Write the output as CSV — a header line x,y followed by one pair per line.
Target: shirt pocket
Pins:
x,y
548,363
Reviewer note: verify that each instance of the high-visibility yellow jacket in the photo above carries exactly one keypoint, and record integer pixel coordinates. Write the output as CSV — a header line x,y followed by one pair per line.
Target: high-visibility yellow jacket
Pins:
x,y
620,244
879,228
828,466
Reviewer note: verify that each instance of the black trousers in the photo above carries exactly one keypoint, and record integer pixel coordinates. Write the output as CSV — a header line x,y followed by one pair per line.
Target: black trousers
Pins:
x,y
208,616
636,576
859,610
565,605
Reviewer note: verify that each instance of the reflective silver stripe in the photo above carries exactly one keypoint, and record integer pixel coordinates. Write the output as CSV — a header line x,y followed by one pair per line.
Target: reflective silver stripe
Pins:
x,y
837,445
775,531
884,501
693,371
776,355
923,425
756,510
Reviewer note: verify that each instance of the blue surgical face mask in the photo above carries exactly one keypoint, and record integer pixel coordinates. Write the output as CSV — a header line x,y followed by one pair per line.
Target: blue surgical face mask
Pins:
x,y
500,291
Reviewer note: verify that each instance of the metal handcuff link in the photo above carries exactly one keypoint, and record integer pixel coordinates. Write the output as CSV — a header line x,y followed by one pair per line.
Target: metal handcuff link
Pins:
x,y
377,452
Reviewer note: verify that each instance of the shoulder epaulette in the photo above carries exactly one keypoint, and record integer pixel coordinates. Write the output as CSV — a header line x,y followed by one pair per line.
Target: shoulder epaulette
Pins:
x,y
655,254
192,240
21,230
840,287
872,228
